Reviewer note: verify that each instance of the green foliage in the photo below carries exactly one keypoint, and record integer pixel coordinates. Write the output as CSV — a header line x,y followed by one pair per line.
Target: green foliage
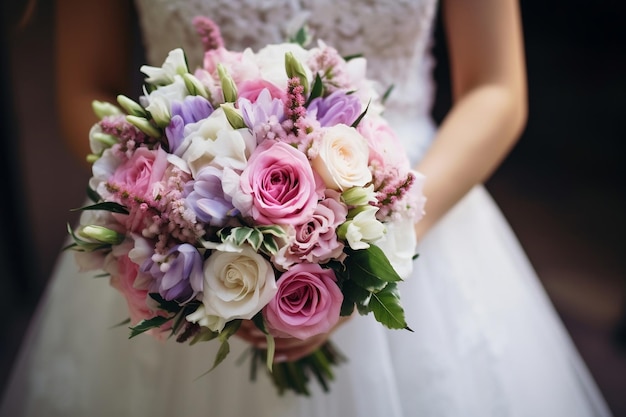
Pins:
x,y
145,325
361,116
387,309
107,206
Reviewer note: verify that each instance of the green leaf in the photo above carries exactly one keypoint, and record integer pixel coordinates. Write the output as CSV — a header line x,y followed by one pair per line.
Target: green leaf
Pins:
x,y
204,335
370,269
358,120
93,195
169,306
120,324
387,308
145,325
387,93
301,37
107,206
221,354
255,239
229,329
351,57
354,295
240,234
316,91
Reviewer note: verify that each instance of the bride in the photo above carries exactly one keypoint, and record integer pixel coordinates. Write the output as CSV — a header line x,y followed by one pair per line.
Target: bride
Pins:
x,y
486,340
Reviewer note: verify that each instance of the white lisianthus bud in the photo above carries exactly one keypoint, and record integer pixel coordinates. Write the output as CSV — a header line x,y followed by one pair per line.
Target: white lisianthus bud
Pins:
x,y
229,88
295,69
359,196
144,125
160,111
174,64
234,118
99,141
103,109
101,234
213,323
363,228
194,86
131,107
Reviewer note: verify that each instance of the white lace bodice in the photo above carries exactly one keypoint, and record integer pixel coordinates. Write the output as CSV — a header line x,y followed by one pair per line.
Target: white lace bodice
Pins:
x,y
394,36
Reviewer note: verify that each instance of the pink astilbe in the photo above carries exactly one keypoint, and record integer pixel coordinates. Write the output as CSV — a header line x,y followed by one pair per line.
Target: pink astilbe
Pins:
x,y
391,195
294,103
331,67
300,131
130,138
209,33
161,213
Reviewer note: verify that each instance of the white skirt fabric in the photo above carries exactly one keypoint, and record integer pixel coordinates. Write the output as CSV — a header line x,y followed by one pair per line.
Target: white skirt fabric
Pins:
x,y
486,342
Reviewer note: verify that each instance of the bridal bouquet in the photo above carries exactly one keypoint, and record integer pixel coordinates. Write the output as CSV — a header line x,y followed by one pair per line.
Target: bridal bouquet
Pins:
x,y
264,187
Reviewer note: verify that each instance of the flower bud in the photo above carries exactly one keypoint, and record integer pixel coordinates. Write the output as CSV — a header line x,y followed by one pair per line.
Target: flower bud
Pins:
x,y
358,196
103,139
234,118
229,88
103,109
160,111
144,125
363,228
130,106
295,69
194,86
101,234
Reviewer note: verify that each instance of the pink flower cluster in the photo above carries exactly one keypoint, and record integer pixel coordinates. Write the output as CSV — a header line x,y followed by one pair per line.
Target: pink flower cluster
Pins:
x,y
239,190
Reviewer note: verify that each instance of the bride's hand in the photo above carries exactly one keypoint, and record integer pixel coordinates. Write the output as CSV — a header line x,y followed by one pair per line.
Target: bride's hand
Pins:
x,y
288,349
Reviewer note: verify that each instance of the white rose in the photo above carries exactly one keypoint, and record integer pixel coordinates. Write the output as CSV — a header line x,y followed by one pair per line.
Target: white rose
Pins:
x,y
214,142
237,285
399,245
343,156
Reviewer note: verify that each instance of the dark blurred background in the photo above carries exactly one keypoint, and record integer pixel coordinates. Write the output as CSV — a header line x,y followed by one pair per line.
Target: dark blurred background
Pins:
x,y
561,188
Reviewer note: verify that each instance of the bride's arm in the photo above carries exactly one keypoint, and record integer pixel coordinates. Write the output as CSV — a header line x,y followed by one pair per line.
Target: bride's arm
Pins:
x,y
489,94
92,63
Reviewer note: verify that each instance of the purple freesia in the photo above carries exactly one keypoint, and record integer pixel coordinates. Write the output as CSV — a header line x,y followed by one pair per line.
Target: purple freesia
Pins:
x,y
179,276
338,108
191,110
262,110
207,199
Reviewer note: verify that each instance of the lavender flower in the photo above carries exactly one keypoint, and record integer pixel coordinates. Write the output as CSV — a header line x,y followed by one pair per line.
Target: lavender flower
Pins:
x,y
207,199
337,108
178,274
262,110
191,110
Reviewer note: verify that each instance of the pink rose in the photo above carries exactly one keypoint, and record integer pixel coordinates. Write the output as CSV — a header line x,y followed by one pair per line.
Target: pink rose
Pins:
x,y
135,181
251,89
281,183
141,172
307,303
124,279
385,147
220,56
316,240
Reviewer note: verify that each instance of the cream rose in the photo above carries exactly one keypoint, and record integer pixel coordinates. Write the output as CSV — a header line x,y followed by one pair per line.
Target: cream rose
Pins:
x,y
343,156
237,285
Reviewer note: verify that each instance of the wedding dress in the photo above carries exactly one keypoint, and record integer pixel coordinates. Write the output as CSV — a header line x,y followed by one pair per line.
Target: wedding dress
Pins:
x,y
486,340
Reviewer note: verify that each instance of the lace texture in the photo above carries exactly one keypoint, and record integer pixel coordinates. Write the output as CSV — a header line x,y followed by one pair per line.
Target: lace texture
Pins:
x,y
394,35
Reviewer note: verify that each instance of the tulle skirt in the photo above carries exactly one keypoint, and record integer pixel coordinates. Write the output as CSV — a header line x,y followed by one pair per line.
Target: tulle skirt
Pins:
x,y
486,342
